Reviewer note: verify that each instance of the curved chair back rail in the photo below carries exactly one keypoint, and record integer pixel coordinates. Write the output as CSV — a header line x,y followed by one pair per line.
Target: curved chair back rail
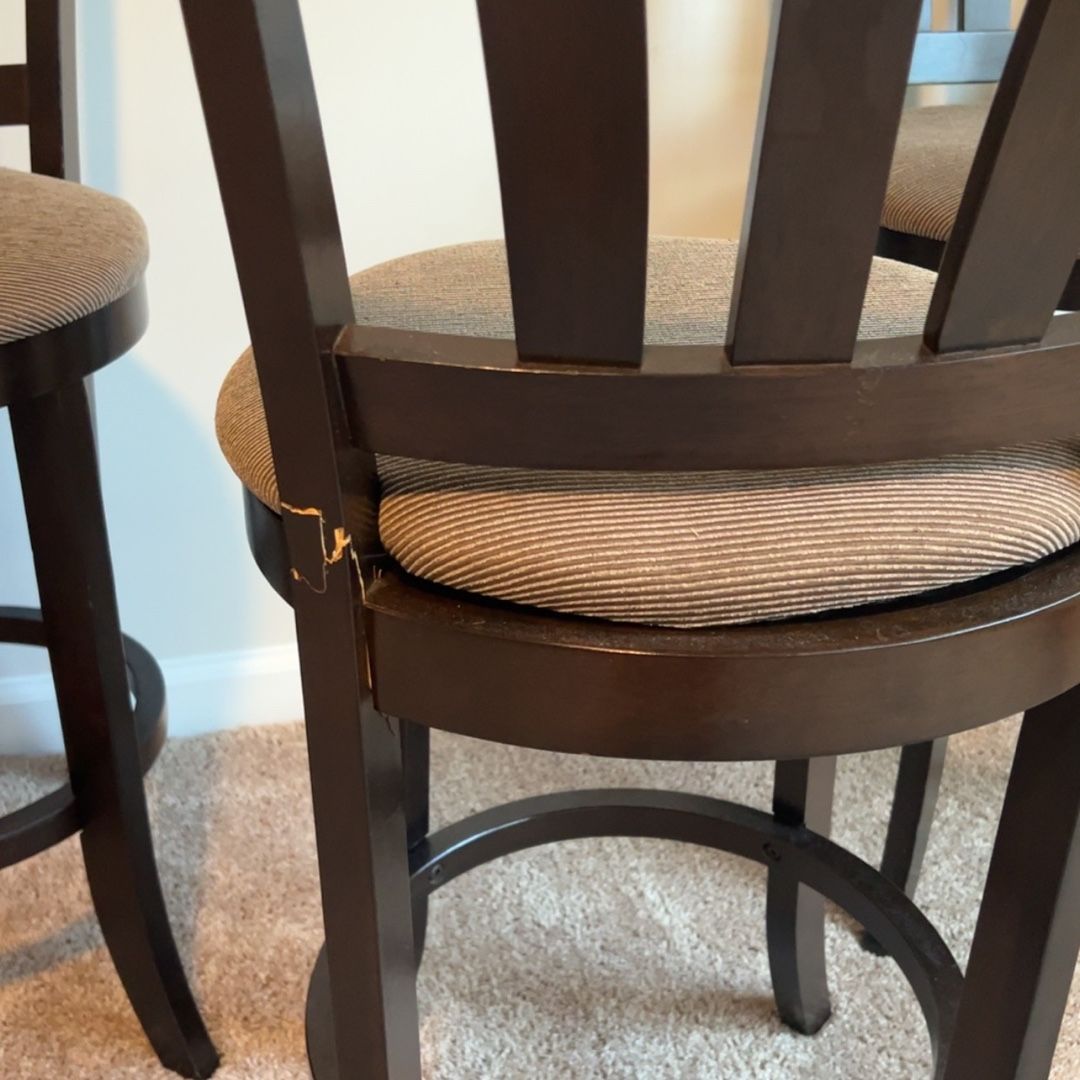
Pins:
x,y
471,400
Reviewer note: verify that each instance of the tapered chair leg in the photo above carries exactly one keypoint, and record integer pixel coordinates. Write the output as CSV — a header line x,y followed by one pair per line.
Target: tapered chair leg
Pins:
x,y
795,914
918,783
57,465
416,770
1027,937
362,1018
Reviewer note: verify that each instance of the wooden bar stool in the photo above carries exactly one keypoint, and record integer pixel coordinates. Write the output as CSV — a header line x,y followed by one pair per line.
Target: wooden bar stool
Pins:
x,y
673,498
71,300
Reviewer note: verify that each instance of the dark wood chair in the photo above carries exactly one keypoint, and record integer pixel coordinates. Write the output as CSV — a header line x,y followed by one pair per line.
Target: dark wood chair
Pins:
x,y
71,300
372,429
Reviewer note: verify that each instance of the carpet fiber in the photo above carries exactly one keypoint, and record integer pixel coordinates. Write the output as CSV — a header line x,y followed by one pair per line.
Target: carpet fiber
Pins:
x,y
610,958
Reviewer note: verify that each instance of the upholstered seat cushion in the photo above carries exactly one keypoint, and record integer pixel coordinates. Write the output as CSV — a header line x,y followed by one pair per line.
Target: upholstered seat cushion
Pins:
x,y
66,251
685,549
934,151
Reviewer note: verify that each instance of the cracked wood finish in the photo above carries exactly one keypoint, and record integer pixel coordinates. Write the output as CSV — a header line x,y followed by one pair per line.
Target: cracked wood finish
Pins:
x,y
377,644
109,742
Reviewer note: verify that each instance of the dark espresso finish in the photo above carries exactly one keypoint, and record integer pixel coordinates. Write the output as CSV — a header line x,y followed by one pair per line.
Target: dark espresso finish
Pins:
x,y
54,444
56,816
354,753
694,819
555,102
467,399
821,164
795,914
14,95
416,778
922,251
377,644
52,107
109,742
1024,954
917,786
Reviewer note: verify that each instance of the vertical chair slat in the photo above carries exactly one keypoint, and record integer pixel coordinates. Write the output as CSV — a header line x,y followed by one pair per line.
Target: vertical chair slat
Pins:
x,y
569,103
1017,231
835,83
14,95
52,106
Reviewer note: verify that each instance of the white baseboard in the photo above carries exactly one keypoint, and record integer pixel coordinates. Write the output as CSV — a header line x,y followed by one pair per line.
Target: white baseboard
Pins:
x,y
209,692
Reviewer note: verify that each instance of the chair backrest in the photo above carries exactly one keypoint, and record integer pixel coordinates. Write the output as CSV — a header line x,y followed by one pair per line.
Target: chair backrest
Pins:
x,y
973,50
41,93
790,387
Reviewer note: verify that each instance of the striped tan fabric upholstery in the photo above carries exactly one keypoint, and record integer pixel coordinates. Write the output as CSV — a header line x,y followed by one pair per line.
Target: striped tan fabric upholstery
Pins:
x,y
65,251
685,549
934,152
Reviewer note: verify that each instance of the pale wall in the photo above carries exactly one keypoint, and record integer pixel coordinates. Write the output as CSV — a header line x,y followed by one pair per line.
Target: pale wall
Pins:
x,y
401,87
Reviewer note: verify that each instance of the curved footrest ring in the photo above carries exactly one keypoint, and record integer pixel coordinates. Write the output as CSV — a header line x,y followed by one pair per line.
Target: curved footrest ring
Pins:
x,y
55,817
881,907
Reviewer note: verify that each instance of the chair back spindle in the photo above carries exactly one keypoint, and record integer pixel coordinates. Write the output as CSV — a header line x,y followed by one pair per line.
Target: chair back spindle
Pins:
x,y
825,140
569,104
41,93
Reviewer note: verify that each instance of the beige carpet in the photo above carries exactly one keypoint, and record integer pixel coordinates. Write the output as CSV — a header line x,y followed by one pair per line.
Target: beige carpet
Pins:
x,y
614,959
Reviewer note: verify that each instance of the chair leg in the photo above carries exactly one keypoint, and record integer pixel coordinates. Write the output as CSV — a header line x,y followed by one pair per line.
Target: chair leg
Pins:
x,y
370,1031
1028,933
795,914
58,468
416,772
918,782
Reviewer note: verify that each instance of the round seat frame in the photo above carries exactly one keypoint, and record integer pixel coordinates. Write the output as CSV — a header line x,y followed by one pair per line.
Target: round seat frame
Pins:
x,y
55,817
